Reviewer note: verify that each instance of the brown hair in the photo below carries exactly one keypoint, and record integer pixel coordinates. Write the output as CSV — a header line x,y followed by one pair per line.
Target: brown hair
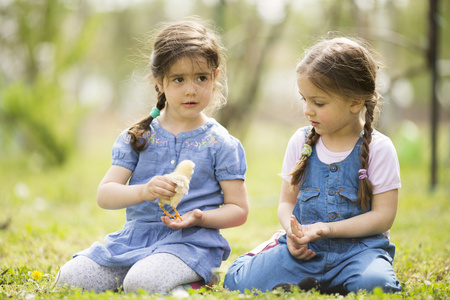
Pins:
x,y
345,67
176,40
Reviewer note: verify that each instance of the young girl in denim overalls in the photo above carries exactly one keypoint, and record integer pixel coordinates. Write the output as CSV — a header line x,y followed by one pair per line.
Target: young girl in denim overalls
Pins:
x,y
153,252
339,196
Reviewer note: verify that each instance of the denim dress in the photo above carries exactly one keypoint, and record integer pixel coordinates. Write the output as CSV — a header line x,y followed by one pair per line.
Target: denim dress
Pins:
x,y
328,194
217,156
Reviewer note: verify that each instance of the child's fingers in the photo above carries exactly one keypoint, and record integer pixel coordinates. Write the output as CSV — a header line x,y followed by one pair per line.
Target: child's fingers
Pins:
x,y
303,253
159,187
174,224
295,227
309,255
302,241
191,218
166,183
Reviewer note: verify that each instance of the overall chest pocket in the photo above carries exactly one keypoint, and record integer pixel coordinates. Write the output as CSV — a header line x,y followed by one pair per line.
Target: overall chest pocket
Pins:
x,y
348,203
306,205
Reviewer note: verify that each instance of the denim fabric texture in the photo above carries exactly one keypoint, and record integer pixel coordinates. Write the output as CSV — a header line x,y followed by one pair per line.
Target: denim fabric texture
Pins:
x,y
328,194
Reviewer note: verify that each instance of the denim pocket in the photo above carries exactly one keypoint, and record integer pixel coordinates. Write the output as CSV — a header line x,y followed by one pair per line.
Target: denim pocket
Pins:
x,y
307,204
348,203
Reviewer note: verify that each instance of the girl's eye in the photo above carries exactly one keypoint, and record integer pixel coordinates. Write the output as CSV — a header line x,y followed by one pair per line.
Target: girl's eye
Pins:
x,y
178,80
318,104
202,78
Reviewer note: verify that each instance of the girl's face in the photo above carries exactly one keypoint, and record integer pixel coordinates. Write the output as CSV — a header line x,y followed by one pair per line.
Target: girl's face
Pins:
x,y
188,87
329,113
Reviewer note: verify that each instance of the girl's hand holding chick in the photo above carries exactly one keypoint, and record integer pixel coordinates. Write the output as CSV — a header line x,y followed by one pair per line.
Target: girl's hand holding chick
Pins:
x,y
158,187
190,219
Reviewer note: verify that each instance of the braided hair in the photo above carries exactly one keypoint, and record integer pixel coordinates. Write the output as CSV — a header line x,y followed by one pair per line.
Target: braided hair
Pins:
x,y
345,67
188,38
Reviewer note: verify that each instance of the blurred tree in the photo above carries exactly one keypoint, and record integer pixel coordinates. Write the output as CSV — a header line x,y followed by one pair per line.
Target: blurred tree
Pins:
x,y
433,56
250,38
50,49
42,43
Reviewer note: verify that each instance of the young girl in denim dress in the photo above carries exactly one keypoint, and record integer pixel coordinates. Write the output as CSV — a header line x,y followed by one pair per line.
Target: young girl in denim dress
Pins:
x,y
154,252
339,194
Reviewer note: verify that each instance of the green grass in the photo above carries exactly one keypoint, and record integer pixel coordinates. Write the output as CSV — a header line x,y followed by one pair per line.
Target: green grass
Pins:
x,y
53,213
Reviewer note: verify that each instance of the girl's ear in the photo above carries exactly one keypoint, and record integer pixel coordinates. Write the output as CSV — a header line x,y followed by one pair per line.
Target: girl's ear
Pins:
x,y
357,105
160,85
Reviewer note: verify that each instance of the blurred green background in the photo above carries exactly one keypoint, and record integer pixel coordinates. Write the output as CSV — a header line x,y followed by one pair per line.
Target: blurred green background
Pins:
x,y
73,76
73,71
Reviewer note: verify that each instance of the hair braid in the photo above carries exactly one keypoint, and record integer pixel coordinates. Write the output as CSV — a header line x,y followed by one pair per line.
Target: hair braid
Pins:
x,y
346,67
138,131
299,170
365,187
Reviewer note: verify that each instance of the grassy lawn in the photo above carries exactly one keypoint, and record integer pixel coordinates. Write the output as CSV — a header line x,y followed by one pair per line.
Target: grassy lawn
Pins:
x,y
47,215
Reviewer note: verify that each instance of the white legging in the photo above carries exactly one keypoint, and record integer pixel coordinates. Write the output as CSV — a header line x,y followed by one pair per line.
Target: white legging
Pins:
x,y
158,273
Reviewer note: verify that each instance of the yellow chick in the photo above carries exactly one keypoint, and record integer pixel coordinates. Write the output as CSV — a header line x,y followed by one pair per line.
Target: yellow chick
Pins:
x,y
181,176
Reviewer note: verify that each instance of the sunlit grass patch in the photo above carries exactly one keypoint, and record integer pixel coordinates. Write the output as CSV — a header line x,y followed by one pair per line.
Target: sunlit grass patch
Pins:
x,y
48,216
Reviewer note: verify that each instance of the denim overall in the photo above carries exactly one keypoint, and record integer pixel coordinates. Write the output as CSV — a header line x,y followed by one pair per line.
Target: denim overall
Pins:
x,y
328,194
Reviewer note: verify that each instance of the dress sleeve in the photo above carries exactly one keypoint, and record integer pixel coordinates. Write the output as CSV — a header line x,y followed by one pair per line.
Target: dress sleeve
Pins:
x,y
293,152
230,160
122,153
384,168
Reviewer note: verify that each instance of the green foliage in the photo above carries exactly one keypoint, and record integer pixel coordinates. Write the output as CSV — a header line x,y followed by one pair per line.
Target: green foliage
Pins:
x,y
49,47
38,114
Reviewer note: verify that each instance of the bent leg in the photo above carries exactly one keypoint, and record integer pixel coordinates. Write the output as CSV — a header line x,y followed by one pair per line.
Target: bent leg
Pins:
x,y
368,270
159,273
86,273
266,270
378,273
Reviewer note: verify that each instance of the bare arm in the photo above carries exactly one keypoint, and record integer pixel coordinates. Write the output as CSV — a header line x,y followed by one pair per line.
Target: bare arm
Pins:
x,y
378,220
288,198
232,213
114,193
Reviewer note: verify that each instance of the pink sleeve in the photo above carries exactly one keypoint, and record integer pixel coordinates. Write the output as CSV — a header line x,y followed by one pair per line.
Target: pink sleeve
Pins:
x,y
293,152
384,169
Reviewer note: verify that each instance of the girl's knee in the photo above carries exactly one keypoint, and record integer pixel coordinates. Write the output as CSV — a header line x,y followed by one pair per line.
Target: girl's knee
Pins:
x,y
229,282
85,273
135,281
233,280
70,273
74,273
369,282
158,274
240,280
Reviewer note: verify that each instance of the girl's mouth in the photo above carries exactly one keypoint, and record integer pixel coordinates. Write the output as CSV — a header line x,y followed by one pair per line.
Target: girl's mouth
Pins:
x,y
190,104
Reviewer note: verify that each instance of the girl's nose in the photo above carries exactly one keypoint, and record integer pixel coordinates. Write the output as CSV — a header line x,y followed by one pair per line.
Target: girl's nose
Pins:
x,y
191,88
307,109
